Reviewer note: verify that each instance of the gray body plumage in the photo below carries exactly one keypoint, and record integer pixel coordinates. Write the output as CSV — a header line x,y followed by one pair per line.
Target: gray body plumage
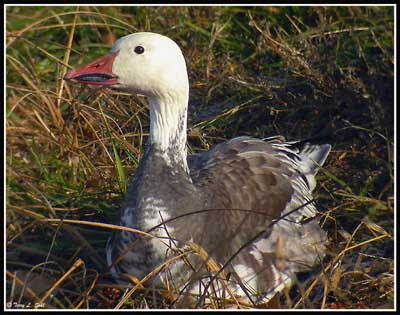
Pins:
x,y
244,186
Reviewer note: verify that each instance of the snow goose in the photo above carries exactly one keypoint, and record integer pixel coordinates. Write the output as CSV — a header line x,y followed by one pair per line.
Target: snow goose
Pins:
x,y
246,204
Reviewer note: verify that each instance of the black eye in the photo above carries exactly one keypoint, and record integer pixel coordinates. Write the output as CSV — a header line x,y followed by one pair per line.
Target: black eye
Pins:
x,y
139,50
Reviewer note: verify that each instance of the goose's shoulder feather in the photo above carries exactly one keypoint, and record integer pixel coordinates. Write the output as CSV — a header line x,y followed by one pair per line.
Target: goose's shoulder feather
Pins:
x,y
256,174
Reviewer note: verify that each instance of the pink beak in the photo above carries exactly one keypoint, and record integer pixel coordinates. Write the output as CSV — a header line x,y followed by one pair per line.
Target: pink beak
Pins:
x,y
98,72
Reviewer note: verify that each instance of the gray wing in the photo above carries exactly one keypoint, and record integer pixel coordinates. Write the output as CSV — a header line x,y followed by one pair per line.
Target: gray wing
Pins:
x,y
247,173
267,179
259,175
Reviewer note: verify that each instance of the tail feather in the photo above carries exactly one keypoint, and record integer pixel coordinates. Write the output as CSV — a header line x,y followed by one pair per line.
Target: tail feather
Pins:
x,y
313,157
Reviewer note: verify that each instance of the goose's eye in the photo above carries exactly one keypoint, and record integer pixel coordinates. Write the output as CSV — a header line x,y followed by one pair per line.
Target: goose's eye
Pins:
x,y
139,50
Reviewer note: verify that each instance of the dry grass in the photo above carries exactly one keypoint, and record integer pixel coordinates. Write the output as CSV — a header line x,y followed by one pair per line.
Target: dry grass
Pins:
x,y
261,71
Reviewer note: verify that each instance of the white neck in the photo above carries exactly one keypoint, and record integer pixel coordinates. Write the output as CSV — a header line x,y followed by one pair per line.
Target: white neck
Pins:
x,y
168,115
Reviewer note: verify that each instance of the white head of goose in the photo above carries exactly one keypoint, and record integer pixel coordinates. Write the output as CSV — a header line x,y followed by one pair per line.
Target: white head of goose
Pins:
x,y
241,215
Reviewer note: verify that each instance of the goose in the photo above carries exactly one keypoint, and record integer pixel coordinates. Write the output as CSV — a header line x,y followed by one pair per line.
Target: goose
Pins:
x,y
238,220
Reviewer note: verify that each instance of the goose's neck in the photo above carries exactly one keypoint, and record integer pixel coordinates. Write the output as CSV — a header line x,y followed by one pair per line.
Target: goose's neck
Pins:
x,y
168,116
